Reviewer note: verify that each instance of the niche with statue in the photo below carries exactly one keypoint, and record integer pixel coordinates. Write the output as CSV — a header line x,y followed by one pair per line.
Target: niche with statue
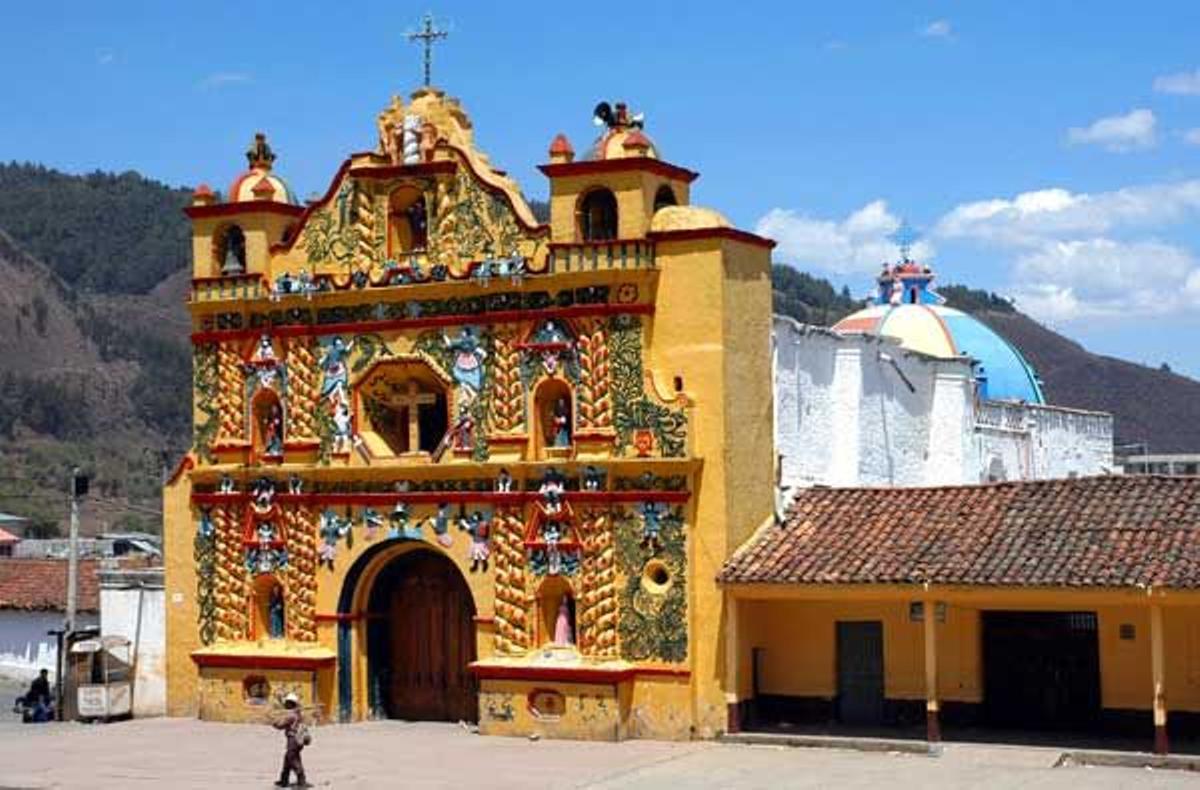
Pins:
x,y
555,417
270,617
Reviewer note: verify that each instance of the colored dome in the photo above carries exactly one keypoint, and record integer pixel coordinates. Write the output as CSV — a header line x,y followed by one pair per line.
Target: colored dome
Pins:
x,y
259,183
687,218
907,309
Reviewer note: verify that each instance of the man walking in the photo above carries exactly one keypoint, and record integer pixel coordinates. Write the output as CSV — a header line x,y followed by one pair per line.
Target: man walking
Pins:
x,y
295,733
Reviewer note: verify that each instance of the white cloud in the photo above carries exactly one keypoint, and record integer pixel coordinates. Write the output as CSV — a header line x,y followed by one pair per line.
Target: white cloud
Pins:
x,y
1032,217
857,244
939,28
1120,133
105,57
1192,136
1104,278
224,78
1185,83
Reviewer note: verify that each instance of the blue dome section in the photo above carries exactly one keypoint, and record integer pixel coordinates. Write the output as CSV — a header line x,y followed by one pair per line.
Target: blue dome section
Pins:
x,y
1004,373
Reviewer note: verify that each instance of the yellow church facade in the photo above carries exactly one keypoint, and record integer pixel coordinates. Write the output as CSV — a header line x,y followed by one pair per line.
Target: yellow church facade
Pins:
x,y
452,462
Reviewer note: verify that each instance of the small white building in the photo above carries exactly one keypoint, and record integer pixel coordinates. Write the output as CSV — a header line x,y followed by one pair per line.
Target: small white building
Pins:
x,y
133,605
908,392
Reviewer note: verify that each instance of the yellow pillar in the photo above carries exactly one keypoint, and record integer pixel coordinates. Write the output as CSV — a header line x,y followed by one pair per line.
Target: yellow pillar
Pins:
x,y
733,652
1158,673
933,728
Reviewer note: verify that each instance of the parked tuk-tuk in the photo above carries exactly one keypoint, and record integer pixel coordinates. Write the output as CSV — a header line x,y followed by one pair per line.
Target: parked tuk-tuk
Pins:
x,y
102,672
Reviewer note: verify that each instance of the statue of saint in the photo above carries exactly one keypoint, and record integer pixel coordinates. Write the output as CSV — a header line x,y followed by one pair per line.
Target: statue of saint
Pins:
x,y
562,423
275,609
468,359
273,431
564,631
336,379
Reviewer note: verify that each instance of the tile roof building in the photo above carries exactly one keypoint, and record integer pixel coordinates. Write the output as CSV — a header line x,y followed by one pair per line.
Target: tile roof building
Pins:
x,y
1098,532
41,585
1070,603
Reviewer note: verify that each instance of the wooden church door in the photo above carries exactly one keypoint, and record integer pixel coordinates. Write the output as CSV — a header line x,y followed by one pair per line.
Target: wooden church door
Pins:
x,y
432,641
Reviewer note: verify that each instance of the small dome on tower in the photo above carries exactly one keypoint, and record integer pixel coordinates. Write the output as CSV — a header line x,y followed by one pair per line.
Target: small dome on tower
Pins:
x,y
687,218
624,136
259,183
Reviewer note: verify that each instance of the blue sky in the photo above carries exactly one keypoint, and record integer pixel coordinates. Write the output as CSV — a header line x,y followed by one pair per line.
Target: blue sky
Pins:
x,y
1049,150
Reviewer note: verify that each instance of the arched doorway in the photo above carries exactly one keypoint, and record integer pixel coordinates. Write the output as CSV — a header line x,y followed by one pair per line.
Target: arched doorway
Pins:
x,y
421,640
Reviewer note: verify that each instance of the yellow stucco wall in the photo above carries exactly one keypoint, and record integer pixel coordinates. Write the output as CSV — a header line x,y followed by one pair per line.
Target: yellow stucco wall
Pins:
x,y
798,642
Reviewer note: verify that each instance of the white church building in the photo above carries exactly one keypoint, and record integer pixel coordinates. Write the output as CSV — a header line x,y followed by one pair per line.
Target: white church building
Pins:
x,y
909,392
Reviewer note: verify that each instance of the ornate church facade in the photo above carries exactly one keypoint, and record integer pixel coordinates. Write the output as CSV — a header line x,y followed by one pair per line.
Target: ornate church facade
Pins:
x,y
453,463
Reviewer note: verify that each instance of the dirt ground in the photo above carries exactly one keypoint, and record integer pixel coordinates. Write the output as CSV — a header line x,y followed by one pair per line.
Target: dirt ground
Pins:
x,y
180,753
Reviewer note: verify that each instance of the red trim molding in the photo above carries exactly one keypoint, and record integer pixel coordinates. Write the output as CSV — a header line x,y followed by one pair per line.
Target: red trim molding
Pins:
x,y
227,661
732,234
244,207
186,464
442,167
637,163
514,498
598,674
498,317
484,619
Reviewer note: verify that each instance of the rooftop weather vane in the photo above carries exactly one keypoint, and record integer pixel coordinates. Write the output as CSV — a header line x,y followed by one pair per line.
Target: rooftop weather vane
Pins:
x,y
904,237
427,35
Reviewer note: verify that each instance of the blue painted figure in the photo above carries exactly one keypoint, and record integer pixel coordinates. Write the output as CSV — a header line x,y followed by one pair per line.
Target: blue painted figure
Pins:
x,y
468,359
562,423
336,373
441,525
651,525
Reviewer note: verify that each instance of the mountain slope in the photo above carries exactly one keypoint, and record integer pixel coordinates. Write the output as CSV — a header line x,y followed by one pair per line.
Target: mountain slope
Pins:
x,y
1151,406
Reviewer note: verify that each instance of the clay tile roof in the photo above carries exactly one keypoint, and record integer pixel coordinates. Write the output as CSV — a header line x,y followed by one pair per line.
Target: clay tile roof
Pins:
x,y
561,145
1115,531
36,584
8,537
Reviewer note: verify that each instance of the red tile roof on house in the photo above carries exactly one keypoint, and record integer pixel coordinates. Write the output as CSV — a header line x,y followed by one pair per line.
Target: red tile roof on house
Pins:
x,y
1116,531
8,537
42,585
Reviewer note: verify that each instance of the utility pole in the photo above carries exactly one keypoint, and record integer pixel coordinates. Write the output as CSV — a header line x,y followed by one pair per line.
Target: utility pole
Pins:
x,y
77,487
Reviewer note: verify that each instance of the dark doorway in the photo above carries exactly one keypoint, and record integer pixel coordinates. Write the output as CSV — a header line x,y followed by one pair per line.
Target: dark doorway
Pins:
x,y
1041,670
860,673
420,641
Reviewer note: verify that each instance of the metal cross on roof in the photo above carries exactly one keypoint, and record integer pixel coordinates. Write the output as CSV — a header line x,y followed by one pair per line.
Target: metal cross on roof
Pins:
x,y
904,237
427,35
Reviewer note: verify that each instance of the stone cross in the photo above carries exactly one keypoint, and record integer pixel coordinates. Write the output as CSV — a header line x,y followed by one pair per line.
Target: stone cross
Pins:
x,y
412,399
427,35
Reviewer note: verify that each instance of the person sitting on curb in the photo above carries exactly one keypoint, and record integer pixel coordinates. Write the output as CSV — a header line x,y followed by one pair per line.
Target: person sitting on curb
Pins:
x,y
38,703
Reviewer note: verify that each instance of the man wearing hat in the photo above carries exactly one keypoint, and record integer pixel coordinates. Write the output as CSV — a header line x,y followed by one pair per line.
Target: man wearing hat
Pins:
x,y
295,731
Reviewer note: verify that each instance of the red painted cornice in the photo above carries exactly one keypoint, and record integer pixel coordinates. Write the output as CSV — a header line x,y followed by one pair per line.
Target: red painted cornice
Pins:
x,y
733,234
511,499
498,317
632,163
597,674
240,661
244,207
442,167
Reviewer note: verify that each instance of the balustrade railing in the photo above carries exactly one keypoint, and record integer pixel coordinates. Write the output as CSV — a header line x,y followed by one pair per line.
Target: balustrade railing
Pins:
x,y
596,255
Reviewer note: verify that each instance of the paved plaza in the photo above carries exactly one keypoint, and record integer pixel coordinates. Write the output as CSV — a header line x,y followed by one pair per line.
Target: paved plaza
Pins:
x,y
181,753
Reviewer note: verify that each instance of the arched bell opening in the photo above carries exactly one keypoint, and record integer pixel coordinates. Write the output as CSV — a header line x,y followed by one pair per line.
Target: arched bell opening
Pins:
x,y
596,215
229,250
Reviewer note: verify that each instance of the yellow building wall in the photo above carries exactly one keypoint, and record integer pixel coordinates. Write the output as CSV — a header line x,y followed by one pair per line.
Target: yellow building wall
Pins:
x,y
711,329
798,656
179,579
634,190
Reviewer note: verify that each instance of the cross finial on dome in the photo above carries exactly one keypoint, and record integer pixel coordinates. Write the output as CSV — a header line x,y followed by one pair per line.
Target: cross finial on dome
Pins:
x,y
904,237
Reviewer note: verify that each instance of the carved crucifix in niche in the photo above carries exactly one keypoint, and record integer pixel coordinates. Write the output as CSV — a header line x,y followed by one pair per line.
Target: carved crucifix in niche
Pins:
x,y
410,418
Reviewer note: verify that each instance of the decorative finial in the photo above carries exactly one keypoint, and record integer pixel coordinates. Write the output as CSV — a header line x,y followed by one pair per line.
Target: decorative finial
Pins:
x,y
904,237
427,35
259,154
